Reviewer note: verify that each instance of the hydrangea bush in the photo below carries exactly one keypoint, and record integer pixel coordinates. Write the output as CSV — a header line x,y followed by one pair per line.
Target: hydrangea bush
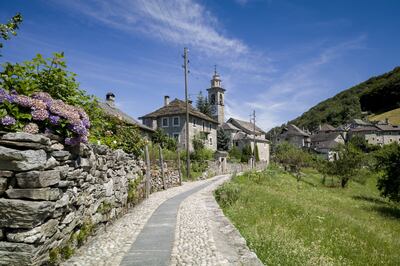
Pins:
x,y
41,113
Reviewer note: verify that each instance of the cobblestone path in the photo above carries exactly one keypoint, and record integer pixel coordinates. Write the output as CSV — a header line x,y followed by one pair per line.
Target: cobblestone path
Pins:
x,y
185,219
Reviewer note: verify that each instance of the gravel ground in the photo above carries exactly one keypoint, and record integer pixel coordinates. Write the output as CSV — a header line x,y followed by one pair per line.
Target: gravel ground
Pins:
x,y
109,247
204,236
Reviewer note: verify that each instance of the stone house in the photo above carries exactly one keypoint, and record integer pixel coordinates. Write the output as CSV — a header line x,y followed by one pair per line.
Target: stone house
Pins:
x,y
171,118
109,108
379,134
325,141
242,133
295,136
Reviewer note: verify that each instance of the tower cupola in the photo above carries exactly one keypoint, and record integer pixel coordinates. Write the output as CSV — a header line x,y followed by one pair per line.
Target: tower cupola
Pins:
x,y
216,97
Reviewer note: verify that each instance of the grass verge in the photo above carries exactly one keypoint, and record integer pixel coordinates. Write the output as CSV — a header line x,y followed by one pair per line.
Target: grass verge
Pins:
x,y
305,223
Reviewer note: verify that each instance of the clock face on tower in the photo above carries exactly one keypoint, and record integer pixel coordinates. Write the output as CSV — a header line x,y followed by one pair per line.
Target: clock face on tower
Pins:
x,y
213,110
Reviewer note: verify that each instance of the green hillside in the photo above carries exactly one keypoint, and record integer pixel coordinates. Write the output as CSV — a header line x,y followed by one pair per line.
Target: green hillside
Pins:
x,y
376,95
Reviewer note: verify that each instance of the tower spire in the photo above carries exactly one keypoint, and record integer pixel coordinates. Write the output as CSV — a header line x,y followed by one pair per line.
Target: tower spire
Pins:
x,y
215,69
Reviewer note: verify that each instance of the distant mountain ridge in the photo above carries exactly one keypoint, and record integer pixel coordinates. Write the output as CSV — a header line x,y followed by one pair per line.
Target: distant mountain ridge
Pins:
x,y
374,96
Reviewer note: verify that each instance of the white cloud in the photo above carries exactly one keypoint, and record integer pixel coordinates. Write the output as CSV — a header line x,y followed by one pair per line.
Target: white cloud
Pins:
x,y
182,22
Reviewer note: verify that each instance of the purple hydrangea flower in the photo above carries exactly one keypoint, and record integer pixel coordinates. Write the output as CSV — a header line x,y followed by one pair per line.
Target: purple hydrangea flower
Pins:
x,y
39,115
31,128
72,141
23,101
7,120
54,119
48,131
79,129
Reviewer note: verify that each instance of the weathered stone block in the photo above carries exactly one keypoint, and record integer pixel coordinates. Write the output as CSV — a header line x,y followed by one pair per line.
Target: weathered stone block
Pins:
x,y
51,163
35,235
26,137
61,155
15,254
109,188
34,193
11,159
6,174
24,214
20,144
3,185
34,179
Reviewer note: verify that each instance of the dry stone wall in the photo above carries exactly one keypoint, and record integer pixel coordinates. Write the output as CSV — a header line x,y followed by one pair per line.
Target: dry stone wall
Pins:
x,y
52,197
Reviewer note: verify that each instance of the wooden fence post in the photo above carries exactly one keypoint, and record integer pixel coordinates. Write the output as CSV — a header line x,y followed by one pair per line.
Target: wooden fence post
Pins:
x,y
148,181
162,167
179,168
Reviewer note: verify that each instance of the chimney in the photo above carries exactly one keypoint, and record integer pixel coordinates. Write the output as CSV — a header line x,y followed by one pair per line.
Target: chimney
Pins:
x,y
110,99
190,101
387,121
166,100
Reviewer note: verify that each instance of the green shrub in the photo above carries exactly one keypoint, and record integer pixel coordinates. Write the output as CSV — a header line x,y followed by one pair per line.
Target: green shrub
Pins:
x,y
133,195
227,194
54,256
84,233
235,154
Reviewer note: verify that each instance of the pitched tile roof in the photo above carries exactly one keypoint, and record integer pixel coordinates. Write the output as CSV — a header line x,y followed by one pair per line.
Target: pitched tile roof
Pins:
x,y
113,111
295,131
229,126
326,127
388,127
324,136
177,107
245,126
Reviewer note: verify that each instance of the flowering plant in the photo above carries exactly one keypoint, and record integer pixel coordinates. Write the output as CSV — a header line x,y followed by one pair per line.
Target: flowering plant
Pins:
x,y
41,113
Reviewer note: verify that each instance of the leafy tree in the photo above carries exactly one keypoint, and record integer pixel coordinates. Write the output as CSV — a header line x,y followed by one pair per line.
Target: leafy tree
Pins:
x,y
10,28
164,140
292,158
246,154
388,160
257,154
235,153
198,141
203,105
349,162
45,74
223,140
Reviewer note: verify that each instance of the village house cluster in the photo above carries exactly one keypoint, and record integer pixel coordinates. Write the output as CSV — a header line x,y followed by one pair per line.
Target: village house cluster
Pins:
x,y
326,138
171,118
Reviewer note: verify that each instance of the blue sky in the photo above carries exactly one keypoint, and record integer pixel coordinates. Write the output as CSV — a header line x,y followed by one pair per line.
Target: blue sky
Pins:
x,y
277,57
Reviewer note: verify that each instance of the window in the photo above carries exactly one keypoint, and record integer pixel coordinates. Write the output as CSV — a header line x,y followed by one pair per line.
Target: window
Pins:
x,y
209,126
194,122
164,122
212,101
211,141
203,125
176,121
176,136
221,99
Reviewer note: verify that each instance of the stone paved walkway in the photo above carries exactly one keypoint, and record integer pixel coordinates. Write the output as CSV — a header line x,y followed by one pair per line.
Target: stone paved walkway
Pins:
x,y
185,219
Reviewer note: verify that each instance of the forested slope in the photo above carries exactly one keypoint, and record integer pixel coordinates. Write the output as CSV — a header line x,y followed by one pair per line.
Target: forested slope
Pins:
x,y
376,95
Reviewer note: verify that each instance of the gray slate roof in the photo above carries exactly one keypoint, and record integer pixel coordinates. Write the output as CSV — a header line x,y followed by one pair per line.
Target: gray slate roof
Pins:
x,y
177,107
245,126
293,130
113,111
229,126
324,136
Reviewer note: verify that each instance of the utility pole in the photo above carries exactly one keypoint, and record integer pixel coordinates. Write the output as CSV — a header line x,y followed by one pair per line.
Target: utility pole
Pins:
x,y
254,138
185,66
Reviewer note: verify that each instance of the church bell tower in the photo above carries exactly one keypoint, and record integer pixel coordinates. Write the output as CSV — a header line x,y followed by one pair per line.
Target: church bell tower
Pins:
x,y
216,98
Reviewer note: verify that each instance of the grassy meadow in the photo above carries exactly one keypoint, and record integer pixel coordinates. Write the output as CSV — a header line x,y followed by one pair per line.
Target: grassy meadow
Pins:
x,y
305,223
393,116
